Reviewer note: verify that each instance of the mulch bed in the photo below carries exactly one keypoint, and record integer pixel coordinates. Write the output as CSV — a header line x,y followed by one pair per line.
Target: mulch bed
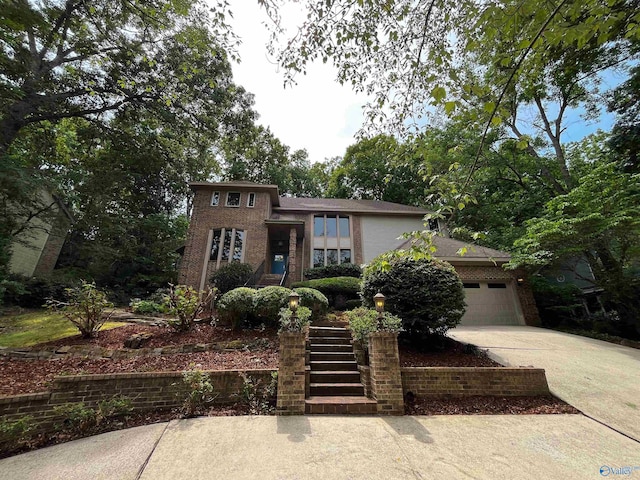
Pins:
x,y
485,405
164,336
120,423
454,354
20,376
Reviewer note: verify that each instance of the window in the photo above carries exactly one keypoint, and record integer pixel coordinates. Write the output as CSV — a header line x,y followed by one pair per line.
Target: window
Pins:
x,y
318,258
497,285
238,243
331,228
215,245
215,199
233,199
471,285
432,224
332,240
318,226
227,245
332,256
251,200
344,227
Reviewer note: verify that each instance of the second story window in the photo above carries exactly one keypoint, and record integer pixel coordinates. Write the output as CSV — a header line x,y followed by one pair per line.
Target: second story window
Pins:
x,y
233,199
215,199
251,200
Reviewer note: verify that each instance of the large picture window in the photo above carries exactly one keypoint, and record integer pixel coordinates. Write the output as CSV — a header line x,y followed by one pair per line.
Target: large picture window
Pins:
x,y
227,246
332,240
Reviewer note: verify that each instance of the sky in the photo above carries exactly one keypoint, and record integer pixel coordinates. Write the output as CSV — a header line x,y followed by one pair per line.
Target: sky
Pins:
x,y
317,114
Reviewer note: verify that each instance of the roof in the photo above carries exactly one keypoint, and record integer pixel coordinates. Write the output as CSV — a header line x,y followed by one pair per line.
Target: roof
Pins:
x,y
374,207
447,249
272,189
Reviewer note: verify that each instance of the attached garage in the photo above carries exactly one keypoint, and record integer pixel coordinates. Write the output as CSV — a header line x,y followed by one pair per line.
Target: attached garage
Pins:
x,y
491,303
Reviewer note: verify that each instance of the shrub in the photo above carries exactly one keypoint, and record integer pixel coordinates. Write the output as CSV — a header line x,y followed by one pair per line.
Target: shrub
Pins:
x,y
313,299
199,392
427,294
231,275
14,432
76,416
269,301
86,308
342,270
186,303
116,406
364,321
353,303
289,324
260,398
236,306
145,307
32,292
338,290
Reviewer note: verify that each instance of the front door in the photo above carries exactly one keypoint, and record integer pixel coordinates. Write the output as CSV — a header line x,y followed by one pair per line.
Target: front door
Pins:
x,y
279,263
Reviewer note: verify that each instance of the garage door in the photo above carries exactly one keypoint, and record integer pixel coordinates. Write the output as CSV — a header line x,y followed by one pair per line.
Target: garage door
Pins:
x,y
490,303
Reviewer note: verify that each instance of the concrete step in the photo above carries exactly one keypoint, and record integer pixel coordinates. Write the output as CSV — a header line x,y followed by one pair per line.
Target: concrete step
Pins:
x,y
329,347
336,389
343,366
328,376
331,356
329,332
350,405
330,340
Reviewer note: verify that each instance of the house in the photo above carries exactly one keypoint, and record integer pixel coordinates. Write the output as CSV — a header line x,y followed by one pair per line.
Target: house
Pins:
x,y
35,250
282,236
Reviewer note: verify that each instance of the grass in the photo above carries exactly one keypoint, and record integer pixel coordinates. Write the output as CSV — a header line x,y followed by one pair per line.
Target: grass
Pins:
x,y
39,326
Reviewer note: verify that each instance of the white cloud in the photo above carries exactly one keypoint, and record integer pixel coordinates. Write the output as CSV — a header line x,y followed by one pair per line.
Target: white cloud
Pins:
x,y
317,114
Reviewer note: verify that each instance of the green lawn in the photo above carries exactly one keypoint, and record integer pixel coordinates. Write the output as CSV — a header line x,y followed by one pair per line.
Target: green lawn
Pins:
x,y
37,327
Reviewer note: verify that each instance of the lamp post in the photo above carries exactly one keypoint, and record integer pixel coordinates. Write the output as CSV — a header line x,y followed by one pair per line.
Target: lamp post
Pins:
x,y
378,300
294,300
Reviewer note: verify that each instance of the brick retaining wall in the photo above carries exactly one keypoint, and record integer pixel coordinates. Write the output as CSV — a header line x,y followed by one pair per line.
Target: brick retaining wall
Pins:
x,y
459,381
146,391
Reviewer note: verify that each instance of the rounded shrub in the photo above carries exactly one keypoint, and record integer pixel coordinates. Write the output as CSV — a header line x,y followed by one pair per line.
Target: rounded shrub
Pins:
x,y
236,306
338,290
426,293
342,270
314,300
230,276
269,301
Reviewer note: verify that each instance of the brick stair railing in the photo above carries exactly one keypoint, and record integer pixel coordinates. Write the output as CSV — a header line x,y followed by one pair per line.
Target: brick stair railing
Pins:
x,y
335,385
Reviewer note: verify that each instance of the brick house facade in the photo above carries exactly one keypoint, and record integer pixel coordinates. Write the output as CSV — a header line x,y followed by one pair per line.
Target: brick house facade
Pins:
x,y
250,223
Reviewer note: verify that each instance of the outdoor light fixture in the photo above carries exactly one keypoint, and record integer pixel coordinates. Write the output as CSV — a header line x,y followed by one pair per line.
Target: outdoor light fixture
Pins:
x,y
520,281
294,300
379,299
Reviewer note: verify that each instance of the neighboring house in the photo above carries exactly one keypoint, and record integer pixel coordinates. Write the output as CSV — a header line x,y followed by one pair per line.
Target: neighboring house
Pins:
x,y
280,237
35,250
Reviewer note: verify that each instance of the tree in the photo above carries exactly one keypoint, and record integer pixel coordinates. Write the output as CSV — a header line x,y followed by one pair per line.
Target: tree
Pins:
x,y
377,168
70,58
600,220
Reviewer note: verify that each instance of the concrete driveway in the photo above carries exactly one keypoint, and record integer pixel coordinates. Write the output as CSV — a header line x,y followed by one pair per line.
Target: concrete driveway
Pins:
x,y
599,378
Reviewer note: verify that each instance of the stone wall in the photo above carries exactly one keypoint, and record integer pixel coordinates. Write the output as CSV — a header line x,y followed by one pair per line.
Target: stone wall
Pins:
x,y
147,391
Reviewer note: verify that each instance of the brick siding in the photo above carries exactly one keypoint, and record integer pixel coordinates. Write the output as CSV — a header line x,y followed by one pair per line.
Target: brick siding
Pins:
x,y
291,374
